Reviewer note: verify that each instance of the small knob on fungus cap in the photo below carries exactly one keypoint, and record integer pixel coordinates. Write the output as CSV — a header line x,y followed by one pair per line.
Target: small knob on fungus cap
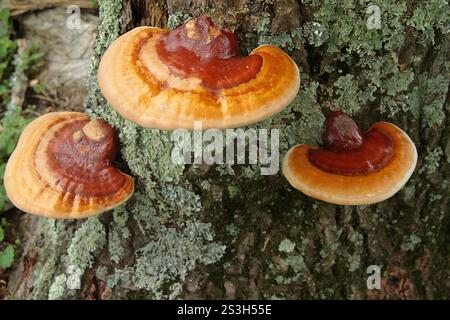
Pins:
x,y
342,133
98,130
200,49
201,37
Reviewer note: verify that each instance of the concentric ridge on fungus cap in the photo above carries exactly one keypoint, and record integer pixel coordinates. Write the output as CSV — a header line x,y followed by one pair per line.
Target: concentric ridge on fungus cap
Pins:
x,y
62,168
169,79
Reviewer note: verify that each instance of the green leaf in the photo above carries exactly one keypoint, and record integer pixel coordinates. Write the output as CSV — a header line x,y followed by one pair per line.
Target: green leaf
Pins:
x,y
2,234
5,22
31,60
12,128
7,257
13,125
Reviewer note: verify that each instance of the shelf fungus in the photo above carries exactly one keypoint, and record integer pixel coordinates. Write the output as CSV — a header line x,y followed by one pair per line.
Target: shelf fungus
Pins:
x,y
62,168
168,79
353,167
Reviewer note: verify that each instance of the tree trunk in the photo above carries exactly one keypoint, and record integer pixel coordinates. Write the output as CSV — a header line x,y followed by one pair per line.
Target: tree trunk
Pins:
x,y
225,231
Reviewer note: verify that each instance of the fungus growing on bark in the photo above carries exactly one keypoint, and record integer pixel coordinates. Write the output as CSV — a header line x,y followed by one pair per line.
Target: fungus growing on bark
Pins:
x,y
353,167
62,168
168,79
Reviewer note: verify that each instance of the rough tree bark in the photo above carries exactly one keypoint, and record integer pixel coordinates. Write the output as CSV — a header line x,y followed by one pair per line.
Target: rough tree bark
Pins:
x,y
228,232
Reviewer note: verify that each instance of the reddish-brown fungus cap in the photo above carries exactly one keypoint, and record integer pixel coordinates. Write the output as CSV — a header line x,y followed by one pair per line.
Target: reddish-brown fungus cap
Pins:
x,y
62,168
168,80
354,167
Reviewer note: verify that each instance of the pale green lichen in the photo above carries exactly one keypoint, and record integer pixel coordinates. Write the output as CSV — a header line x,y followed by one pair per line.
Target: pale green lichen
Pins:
x,y
411,242
172,255
205,185
297,263
261,33
356,238
232,230
432,161
120,216
52,250
348,98
250,172
302,121
286,245
262,26
89,238
115,247
427,99
436,197
386,78
409,191
102,273
177,18
429,16
225,169
377,73
233,191
178,242
346,24
118,233
294,270
173,249
47,271
354,265
57,288
314,33
289,41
